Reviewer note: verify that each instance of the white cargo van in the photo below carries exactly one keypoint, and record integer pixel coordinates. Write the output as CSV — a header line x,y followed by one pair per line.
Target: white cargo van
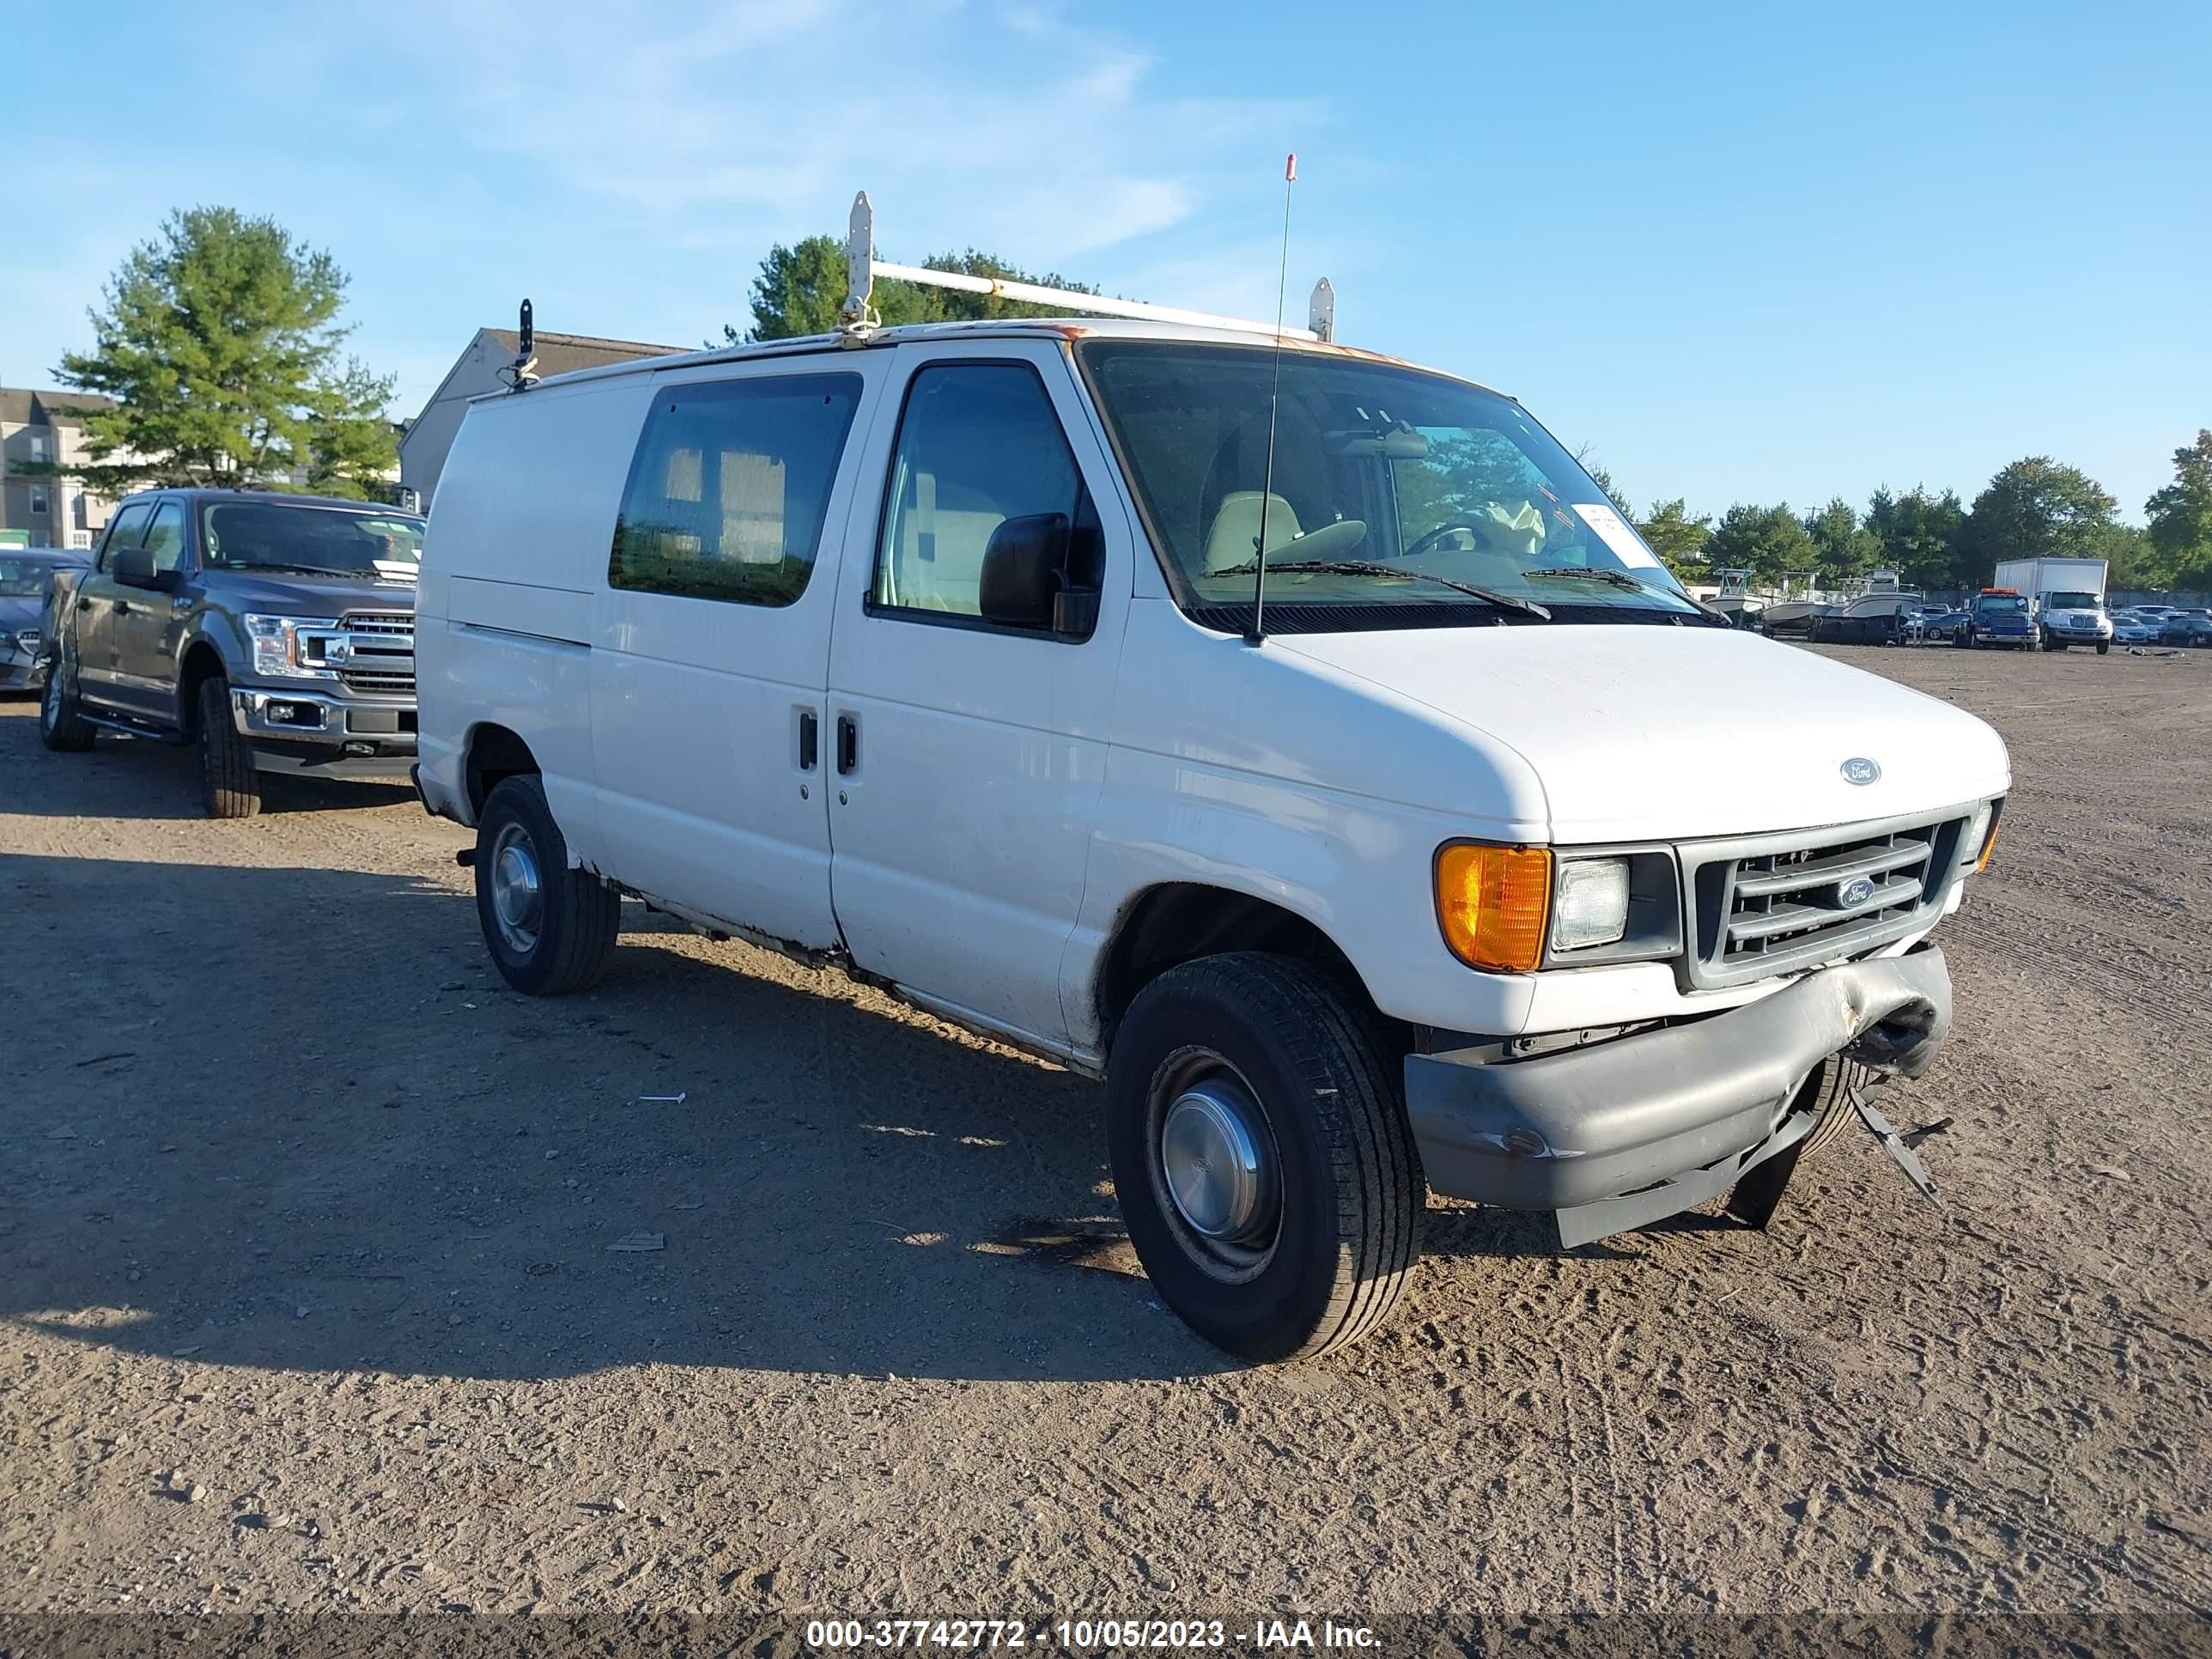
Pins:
x,y
1471,857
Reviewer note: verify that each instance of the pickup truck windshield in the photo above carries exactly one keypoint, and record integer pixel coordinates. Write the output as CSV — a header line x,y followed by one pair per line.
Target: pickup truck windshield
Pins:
x,y
1395,494
280,536
2000,602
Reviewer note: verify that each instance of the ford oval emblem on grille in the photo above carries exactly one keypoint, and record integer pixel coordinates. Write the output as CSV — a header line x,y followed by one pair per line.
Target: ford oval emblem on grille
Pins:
x,y
1855,892
1859,770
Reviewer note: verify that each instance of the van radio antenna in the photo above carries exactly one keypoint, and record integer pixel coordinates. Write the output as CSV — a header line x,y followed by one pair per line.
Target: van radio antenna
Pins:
x,y
1258,632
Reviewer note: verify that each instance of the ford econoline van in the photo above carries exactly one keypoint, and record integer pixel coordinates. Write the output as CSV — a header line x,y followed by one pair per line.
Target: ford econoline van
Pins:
x,y
1295,738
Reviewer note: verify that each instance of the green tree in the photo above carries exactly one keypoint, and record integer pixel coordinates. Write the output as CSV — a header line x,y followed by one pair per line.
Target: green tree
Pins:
x,y
2180,514
220,341
2035,508
1920,536
801,290
1842,548
1767,541
1679,539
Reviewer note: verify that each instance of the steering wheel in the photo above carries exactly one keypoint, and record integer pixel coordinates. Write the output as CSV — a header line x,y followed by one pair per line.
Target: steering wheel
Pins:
x,y
1473,526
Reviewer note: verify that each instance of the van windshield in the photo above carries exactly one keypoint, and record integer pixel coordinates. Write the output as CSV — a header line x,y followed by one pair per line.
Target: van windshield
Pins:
x,y
1393,492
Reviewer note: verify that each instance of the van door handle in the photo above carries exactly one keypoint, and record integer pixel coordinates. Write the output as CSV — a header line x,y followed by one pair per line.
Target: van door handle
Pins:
x,y
810,740
848,744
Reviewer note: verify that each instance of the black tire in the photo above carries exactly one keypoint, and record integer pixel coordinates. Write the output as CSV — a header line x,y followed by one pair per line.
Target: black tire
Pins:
x,y
1346,1198
230,786
1828,1092
61,725
2104,647
559,938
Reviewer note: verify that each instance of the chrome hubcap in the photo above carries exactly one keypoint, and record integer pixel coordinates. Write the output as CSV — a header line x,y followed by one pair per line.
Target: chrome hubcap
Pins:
x,y
517,899
1216,1161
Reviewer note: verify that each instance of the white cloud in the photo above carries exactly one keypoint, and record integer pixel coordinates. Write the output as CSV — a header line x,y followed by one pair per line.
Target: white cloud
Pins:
x,y
1006,128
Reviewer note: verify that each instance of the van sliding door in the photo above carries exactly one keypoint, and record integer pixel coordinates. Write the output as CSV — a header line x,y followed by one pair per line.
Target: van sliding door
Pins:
x,y
712,647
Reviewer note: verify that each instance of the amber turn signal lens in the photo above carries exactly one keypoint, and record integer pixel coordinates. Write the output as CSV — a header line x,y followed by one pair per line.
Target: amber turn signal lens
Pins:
x,y
1990,840
1492,903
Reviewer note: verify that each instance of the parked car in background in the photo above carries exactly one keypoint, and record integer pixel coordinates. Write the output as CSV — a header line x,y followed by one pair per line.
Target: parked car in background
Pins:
x,y
1876,619
934,653
1941,623
26,575
2153,614
275,632
2186,630
2131,628
1998,616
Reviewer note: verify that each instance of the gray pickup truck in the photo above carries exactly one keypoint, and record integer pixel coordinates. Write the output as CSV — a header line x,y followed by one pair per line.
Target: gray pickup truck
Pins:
x,y
275,632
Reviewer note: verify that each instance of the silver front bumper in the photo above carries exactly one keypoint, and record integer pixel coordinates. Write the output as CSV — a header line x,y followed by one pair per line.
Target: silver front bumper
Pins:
x,y
1643,1126
312,717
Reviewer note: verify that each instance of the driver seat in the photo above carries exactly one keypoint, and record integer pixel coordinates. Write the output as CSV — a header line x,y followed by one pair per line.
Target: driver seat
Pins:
x,y
1234,538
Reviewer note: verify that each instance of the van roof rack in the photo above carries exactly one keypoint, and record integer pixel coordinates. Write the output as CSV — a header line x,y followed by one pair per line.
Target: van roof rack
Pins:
x,y
857,319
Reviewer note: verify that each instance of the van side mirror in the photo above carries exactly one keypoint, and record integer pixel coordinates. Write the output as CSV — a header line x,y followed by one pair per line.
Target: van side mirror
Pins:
x,y
134,568
1025,582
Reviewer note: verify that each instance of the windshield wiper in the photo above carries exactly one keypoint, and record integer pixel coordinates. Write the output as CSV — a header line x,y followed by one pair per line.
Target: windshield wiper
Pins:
x,y
1370,568
300,569
1583,573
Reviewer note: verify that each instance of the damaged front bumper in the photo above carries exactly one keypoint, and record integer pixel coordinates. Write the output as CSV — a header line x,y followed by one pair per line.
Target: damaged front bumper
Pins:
x,y
1621,1133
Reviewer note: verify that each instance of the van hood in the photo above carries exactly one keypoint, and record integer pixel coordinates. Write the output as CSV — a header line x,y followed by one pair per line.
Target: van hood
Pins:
x,y
1637,732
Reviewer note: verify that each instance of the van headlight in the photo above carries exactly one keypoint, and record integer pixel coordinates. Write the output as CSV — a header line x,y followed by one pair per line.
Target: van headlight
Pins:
x,y
276,650
1590,906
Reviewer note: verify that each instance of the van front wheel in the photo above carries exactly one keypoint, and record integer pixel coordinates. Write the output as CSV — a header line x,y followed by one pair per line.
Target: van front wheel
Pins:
x,y
1261,1154
550,929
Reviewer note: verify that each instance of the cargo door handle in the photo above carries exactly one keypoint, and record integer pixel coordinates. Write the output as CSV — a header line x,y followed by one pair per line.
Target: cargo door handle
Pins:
x,y
810,740
848,744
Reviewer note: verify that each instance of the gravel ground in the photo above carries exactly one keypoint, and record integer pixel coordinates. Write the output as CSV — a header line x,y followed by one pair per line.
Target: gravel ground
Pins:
x,y
314,1292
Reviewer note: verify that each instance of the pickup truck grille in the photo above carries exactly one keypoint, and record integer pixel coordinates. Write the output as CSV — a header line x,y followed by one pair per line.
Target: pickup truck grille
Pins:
x,y
1776,904
381,653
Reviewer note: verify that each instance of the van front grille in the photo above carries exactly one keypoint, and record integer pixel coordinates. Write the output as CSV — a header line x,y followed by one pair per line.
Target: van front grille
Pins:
x,y
1777,904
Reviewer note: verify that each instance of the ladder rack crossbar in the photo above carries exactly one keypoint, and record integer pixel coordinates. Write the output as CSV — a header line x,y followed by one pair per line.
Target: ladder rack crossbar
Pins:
x,y
863,270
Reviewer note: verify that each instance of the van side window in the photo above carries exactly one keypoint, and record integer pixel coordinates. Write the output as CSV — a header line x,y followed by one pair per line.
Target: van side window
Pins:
x,y
978,444
125,529
729,487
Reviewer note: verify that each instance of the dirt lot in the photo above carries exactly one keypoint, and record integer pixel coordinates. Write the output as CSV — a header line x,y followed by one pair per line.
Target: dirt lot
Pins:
x,y
299,1203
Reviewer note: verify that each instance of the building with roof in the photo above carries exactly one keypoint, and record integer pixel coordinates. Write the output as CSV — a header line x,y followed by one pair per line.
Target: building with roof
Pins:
x,y
43,428
482,368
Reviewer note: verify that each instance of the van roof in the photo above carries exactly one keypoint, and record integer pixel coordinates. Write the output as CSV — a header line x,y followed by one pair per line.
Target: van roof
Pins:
x,y
1068,328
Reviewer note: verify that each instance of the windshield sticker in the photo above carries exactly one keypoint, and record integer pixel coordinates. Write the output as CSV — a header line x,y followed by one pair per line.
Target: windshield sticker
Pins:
x,y
1615,532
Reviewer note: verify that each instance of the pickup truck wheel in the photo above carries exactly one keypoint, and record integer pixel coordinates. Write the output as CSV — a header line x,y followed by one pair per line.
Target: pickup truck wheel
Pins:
x,y
232,787
1261,1150
550,929
61,728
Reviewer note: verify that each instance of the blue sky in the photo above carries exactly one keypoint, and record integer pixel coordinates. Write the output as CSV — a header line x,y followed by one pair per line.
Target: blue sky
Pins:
x,y
1741,252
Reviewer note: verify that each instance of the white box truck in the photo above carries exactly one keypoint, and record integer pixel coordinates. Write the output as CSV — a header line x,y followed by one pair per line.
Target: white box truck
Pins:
x,y
2068,596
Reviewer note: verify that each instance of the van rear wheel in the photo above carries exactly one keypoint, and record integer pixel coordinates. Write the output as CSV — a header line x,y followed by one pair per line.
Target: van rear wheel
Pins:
x,y
1262,1157
550,929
